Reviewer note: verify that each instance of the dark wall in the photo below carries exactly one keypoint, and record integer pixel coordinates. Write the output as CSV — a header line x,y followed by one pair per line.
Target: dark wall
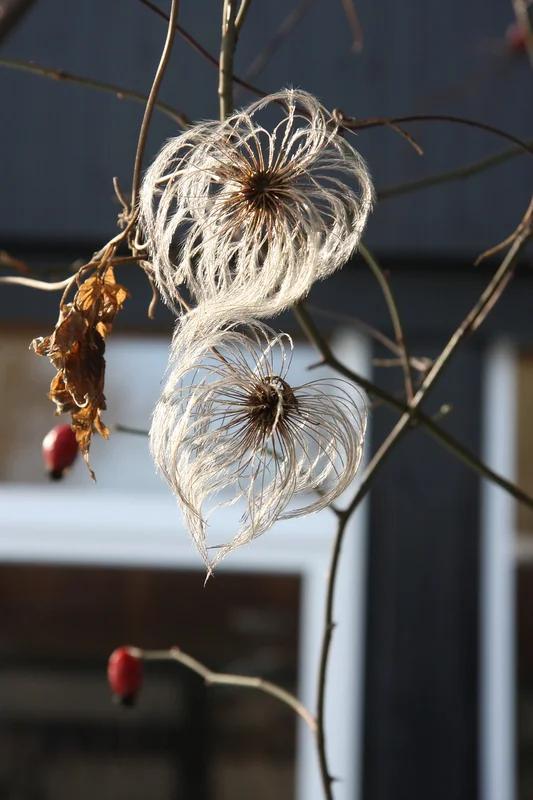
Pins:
x,y
422,642
62,144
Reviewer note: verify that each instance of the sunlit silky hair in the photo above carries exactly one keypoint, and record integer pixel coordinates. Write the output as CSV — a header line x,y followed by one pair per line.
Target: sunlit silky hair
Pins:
x,y
229,427
253,216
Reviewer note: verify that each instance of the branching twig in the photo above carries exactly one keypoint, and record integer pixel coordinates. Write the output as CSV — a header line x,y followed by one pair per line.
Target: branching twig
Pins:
x,y
446,439
223,679
525,223
119,91
203,52
152,98
420,364
377,461
227,49
351,123
394,315
241,16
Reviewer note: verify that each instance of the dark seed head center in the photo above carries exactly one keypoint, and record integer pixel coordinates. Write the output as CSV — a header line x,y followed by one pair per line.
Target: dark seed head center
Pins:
x,y
270,402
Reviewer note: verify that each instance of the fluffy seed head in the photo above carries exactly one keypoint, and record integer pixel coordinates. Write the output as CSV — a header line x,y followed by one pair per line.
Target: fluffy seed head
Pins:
x,y
254,215
229,427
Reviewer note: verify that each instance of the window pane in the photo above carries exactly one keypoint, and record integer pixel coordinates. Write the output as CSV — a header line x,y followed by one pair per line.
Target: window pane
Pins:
x,y
62,737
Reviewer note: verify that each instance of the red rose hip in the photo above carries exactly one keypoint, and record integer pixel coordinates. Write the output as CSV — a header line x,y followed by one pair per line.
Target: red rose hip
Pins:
x,y
60,449
124,674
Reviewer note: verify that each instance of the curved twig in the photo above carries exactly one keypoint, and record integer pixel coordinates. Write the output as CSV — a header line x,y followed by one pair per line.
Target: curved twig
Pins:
x,y
394,315
152,99
351,123
224,679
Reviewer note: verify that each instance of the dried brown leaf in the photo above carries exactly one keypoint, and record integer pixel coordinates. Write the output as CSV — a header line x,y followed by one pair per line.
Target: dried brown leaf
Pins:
x,y
76,349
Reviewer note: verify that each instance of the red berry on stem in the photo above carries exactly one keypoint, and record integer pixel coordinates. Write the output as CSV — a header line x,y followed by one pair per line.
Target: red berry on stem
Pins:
x,y
124,674
60,449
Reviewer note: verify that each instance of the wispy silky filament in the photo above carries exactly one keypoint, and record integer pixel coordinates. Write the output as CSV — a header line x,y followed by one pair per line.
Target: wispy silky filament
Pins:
x,y
229,427
250,216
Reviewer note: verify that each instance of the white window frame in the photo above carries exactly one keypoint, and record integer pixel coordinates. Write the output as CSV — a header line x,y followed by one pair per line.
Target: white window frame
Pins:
x,y
498,566
55,525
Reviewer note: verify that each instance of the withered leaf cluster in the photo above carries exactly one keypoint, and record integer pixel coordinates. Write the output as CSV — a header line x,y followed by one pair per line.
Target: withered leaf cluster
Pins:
x,y
76,349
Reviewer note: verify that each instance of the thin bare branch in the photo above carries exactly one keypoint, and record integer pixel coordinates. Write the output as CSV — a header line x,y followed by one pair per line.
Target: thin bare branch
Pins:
x,y
458,174
525,223
128,429
355,25
241,16
12,13
466,327
119,91
351,123
152,99
34,283
376,463
418,417
420,364
223,679
203,52
227,50
292,19
394,315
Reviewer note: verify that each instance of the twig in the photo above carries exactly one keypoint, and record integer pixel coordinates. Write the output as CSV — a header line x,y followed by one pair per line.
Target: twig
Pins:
x,y
227,50
11,13
223,679
377,461
446,439
420,364
355,25
127,429
351,123
329,625
289,23
34,283
152,99
119,91
394,315
203,52
241,16
460,173
526,221
155,297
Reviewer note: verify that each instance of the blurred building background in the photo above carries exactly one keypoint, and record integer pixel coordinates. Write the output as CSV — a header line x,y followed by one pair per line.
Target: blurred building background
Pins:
x,y
446,576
